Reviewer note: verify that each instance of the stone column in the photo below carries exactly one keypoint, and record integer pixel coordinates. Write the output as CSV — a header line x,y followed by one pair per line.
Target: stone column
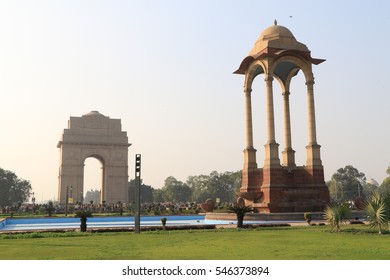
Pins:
x,y
248,119
249,152
288,153
249,170
271,148
313,149
311,112
270,109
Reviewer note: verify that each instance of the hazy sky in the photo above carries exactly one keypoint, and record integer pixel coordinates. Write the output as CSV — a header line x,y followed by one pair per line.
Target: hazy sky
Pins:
x,y
165,69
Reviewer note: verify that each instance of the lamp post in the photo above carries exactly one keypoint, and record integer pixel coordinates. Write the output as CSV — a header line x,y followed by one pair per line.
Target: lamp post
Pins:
x,y
137,216
67,198
33,202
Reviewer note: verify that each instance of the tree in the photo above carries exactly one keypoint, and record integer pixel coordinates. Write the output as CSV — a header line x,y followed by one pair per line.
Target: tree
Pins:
x,y
385,186
370,187
199,186
13,190
224,185
216,185
346,184
158,195
146,192
176,191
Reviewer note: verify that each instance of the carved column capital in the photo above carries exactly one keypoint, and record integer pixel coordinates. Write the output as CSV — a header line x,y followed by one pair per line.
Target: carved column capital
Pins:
x,y
310,82
247,90
268,78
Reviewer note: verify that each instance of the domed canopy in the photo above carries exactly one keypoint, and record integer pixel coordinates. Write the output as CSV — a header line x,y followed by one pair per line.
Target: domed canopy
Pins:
x,y
94,113
277,41
278,37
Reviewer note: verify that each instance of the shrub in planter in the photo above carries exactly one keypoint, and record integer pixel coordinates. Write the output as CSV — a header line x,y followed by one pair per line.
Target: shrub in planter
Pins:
x,y
163,222
50,208
83,215
307,217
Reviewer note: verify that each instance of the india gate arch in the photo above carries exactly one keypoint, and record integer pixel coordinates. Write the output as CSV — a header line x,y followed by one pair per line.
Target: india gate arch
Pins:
x,y
280,187
93,136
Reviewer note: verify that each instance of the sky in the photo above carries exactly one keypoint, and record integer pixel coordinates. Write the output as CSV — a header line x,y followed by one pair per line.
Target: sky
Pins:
x,y
165,68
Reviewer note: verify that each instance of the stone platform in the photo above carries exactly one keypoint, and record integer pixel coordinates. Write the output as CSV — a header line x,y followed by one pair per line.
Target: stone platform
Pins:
x,y
298,216
264,216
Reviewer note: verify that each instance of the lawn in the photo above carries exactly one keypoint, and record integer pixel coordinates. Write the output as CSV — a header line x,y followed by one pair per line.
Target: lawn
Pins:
x,y
287,243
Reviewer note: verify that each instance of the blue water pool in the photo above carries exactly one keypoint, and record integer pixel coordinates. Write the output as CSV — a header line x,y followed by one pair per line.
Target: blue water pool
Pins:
x,y
100,222
113,222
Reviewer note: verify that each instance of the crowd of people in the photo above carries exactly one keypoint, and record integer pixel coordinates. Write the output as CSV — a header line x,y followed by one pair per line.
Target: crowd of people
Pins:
x,y
149,208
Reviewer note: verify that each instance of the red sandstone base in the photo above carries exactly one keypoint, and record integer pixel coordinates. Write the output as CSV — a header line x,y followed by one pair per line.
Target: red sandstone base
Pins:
x,y
285,190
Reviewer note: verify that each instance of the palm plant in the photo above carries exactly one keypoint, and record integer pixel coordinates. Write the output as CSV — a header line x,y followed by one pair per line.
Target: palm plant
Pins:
x,y
378,210
240,211
336,214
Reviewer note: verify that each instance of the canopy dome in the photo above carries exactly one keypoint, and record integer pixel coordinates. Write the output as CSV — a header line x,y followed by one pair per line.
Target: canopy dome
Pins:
x,y
277,37
277,41
94,113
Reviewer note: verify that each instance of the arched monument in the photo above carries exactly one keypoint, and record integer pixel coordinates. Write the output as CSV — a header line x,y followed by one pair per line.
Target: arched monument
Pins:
x,y
97,136
281,187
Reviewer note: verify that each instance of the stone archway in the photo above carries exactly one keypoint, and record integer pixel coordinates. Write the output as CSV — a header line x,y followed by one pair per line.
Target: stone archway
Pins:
x,y
97,136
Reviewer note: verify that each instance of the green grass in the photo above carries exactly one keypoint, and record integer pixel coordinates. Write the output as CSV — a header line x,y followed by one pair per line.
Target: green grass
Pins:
x,y
297,243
